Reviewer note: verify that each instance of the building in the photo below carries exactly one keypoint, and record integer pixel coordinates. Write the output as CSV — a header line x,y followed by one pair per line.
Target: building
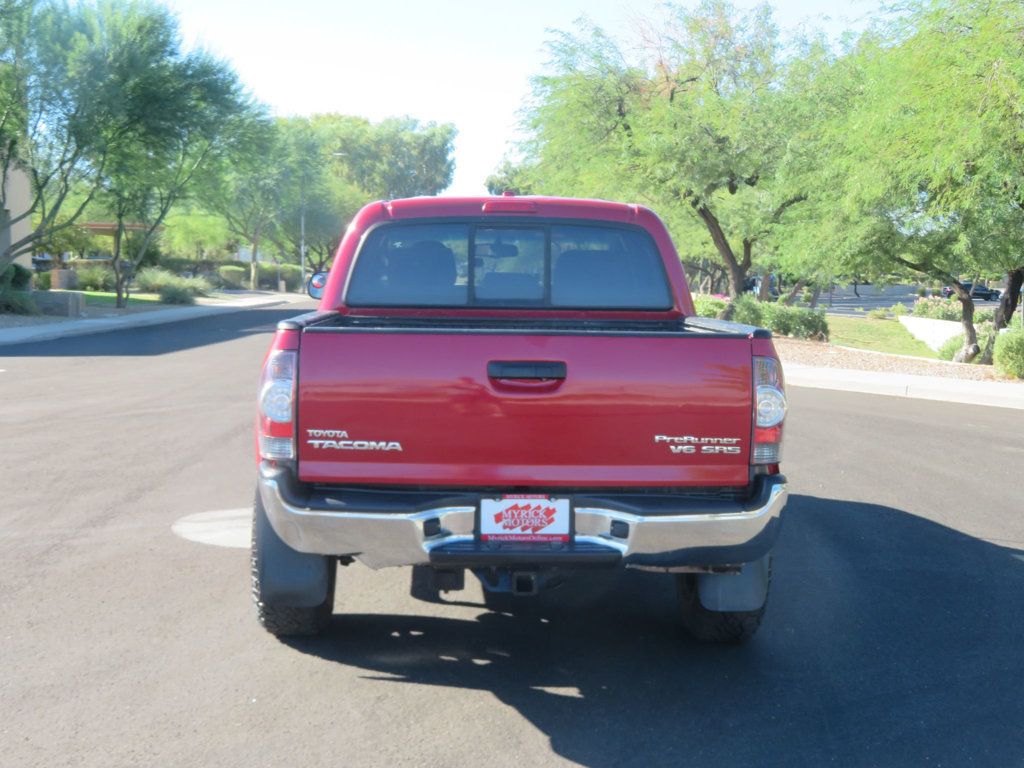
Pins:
x,y
17,199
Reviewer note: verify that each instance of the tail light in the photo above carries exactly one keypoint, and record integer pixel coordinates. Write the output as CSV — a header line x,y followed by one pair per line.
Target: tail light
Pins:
x,y
276,429
769,411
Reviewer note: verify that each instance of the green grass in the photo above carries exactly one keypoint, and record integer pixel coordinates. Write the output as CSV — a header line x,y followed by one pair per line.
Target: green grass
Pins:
x,y
876,335
103,299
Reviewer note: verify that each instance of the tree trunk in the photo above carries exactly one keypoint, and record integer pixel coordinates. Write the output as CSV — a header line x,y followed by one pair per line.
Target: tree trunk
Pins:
x,y
253,267
119,280
1008,304
737,271
765,288
970,348
1004,314
815,295
791,297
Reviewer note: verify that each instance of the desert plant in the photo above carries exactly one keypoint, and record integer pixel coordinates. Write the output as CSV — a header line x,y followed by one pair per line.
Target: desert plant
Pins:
x,y
937,308
197,286
232,276
708,306
153,279
95,278
176,293
1009,353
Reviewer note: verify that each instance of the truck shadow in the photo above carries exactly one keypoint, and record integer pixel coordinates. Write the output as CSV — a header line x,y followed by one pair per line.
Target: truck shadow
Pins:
x,y
889,640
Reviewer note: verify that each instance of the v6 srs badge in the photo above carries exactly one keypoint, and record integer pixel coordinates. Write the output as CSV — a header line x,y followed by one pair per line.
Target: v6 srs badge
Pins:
x,y
690,444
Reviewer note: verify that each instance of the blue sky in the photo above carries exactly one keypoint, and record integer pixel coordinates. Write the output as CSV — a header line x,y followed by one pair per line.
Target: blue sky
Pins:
x,y
463,62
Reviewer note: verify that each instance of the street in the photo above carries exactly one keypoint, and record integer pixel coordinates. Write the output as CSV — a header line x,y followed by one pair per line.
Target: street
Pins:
x,y
893,634
845,301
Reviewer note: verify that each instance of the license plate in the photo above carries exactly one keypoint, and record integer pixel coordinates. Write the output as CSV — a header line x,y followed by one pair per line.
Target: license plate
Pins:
x,y
524,518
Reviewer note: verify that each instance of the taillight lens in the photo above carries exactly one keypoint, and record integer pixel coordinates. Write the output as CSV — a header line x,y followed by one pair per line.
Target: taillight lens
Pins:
x,y
769,411
277,406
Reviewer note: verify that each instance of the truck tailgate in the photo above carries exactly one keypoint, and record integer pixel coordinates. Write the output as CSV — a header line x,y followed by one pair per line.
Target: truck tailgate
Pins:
x,y
420,408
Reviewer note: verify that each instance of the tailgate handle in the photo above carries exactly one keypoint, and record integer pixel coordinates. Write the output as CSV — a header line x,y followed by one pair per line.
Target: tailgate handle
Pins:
x,y
525,369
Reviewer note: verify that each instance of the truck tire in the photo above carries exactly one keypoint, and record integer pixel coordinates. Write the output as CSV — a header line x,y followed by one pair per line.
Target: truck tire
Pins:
x,y
710,626
277,616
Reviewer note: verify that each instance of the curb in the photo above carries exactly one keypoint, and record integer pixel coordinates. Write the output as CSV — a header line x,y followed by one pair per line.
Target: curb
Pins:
x,y
32,333
996,394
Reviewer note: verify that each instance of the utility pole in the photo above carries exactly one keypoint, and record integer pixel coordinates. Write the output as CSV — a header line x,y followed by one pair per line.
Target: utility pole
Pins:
x,y
302,237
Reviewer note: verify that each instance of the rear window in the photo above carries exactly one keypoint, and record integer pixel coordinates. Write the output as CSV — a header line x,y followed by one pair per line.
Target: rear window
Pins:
x,y
560,266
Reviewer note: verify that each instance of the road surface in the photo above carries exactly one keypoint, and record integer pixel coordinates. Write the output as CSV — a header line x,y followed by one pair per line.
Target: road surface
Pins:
x,y
893,634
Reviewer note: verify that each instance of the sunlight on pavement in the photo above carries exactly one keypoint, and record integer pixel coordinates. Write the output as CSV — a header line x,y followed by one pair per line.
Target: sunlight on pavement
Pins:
x,y
223,528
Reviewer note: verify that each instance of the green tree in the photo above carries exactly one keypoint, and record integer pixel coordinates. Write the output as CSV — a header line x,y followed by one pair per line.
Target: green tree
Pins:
x,y
398,157
193,105
923,169
71,95
698,124
244,188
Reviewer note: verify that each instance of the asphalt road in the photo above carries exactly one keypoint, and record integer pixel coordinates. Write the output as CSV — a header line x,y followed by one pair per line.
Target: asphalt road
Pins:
x,y
845,301
893,634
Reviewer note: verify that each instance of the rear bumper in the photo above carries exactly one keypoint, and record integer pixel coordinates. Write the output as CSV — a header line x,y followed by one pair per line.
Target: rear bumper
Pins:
x,y
382,529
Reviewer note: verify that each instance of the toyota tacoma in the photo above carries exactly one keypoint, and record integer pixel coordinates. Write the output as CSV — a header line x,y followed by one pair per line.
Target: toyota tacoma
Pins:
x,y
517,387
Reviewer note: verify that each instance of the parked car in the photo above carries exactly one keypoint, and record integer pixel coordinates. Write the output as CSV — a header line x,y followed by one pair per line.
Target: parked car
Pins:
x,y
518,387
975,291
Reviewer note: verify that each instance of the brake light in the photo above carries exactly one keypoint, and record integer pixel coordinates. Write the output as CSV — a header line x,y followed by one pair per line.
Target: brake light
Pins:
x,y
769,411
509,206
277,406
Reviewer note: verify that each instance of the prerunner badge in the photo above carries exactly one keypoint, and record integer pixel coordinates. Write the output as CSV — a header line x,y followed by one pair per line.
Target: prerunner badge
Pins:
x,y
524,518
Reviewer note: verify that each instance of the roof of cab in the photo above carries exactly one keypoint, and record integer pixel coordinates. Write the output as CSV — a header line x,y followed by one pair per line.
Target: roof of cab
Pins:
x,y
525,206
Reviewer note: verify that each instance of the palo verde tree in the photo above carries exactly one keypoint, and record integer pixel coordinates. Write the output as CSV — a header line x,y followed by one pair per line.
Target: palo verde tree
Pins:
x,y
697,124
397,157
244,187
931,148
193,105
69,99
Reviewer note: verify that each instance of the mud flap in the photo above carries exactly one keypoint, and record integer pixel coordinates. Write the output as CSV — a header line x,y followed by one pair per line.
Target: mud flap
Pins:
x,y
736,592
287,577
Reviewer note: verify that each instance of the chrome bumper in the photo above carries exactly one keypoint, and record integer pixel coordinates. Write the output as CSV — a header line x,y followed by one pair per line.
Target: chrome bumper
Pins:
x,y
697,534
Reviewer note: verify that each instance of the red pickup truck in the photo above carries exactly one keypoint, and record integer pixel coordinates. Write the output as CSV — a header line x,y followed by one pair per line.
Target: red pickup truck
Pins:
x,y
518,387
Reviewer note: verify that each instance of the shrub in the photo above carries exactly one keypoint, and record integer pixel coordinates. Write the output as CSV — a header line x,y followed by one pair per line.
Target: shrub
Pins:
x,y
95,278
747,310
17,277
708,306
922,291
950,347
984,316
197,286
1009,353
13,296
879,313
153,279
781,319
16,302
898,309
232,275
176,293
290,273
42,281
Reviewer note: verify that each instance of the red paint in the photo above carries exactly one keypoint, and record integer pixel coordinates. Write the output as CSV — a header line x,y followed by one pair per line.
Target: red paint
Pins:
x,y
430,393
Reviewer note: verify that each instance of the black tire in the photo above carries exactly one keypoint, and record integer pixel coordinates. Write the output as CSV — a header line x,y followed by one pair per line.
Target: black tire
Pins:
x,y
286,620
715,626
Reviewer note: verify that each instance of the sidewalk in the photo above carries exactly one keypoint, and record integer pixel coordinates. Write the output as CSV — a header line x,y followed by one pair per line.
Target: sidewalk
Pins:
x,y
57,330
1000,394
